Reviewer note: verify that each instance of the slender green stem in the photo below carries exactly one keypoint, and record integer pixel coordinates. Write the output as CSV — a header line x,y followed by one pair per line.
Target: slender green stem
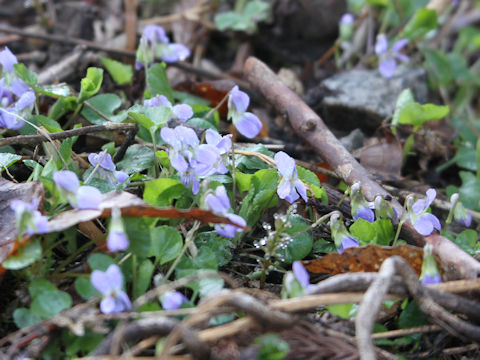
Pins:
x,y
134,274
73,256
156,164
72,118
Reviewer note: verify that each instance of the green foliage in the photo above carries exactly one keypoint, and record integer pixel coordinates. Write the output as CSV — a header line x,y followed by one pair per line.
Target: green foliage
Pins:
x,y
380,232
90,84
121,73
423,21
246,19
345,311
157,82
302,242
468,241
416,114
137,158
272,347
162,192
105,105
7,159
166,244
25,256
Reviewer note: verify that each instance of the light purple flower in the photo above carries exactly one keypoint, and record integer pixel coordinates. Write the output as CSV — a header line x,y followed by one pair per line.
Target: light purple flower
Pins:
x,y
173,300
155,43
428,280
191,160
460,214
223,145
107,169
11,117
28,219
109,284
220,203
290,185
248,124
347,242
301,274
360,207
430,274
347,19
423,221
79,197
7,60
182,112
389,57
117,238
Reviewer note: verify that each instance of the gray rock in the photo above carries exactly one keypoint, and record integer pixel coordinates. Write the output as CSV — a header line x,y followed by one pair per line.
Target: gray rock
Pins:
x,y
363,98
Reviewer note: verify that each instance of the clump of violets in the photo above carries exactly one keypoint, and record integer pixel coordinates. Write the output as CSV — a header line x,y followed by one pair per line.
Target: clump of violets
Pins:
x,y
13,112
182,112
360,207
429,274
109,284
423,221
117,239
173,300
389,57
290,186
79,197
460,214
155,43
340,235
191,159
219,203
247,123
28,219
107,170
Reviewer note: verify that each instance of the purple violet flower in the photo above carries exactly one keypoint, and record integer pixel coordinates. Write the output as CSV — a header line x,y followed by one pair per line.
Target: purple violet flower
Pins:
x,y
347,19
423,221
301,274
347,242
223,145
182,112
290,185
155,43
220,203
117,239
430,274
79,197
461,215
7,60
109,284
340,235
428,280
389,57
107,169
173,300
11,117
28,219
247,123
360,207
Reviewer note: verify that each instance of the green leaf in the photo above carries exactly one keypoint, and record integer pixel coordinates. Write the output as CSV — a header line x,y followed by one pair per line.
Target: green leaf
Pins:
x,y
345,311
272,347
423,21
470,190
308,177
40,285
364,231
222,247
248,163
416,114
255,11
157,82
144,277
100,261
84,288
201,123
51,303
26,255
162,192
466,158
302,242
105,104
151,118
121,73
139,233
23,317
29,77
467,240
7,159
265,179
48,123
438,67
405,97
166,244
385,232
137,158
243,180
411,317
90,85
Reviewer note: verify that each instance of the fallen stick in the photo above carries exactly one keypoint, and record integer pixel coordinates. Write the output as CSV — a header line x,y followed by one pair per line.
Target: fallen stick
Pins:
x,y
309,126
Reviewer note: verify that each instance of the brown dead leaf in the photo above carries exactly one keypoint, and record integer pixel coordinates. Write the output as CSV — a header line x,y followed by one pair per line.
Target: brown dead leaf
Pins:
x,y
131,205
11,191
382,156
365,259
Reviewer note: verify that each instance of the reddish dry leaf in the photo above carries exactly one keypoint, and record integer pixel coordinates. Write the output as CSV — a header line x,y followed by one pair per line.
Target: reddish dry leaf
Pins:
x,y
130,205
365,259
11,191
